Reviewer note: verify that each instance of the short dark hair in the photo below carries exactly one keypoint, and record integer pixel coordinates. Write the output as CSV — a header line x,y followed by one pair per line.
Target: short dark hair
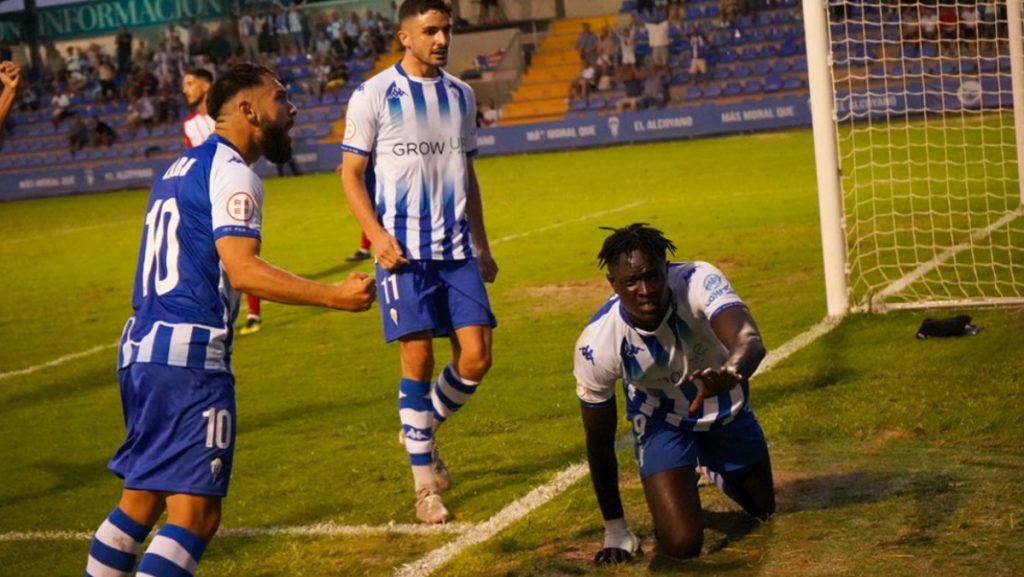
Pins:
x,y
411,8
636,236
200,73
235,80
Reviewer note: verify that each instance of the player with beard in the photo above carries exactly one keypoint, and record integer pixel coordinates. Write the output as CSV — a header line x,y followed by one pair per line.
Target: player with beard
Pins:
x,y
684,346
407,173
200,247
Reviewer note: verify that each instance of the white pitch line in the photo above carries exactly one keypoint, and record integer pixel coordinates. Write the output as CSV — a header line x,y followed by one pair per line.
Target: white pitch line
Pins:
x,y
57,361
78,355
317,530
66,231
522,507
565,222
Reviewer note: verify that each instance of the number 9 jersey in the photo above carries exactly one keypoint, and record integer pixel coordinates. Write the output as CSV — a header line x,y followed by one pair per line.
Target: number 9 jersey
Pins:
x,y
184,304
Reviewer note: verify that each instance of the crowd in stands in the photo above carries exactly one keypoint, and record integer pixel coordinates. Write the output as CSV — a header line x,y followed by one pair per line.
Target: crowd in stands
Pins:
x,y
639,56
139,85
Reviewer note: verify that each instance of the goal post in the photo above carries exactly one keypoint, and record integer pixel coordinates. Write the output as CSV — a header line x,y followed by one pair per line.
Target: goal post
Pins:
x,y
918,121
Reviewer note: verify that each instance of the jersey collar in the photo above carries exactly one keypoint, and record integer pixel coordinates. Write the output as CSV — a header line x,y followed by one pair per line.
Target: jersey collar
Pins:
x,y
398,67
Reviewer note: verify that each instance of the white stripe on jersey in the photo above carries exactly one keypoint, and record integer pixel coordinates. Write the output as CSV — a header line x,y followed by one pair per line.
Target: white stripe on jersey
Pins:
x,y
418,133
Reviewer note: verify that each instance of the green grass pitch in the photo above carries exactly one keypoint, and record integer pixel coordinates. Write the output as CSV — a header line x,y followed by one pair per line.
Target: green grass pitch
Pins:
x,y
892,456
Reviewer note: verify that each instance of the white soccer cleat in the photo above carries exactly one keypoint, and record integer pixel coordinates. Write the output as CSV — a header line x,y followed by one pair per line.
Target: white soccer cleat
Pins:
x,y
429,507
441,475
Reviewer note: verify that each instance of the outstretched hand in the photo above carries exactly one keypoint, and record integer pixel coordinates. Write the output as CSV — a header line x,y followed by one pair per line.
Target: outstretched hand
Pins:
x,y
356,293
10,75
715,382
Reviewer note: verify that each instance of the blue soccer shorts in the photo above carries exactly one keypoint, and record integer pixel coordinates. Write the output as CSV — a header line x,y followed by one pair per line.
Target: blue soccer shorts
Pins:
x,y
432,295
661,446
181,430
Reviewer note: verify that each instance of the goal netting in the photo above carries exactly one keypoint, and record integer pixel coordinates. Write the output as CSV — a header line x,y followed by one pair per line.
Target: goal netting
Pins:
x,y
928,151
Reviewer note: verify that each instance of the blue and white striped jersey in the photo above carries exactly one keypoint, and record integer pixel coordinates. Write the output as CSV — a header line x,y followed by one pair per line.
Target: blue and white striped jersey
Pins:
x,y
417,133
184,304
654,365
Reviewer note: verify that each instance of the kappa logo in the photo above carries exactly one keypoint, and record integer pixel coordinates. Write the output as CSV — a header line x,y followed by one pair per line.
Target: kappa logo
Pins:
x,y
362,87
241,207
629,350
416,435
588,353
394,92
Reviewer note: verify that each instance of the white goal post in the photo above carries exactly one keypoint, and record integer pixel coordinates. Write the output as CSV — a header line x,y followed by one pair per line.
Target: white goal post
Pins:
x,y
918,121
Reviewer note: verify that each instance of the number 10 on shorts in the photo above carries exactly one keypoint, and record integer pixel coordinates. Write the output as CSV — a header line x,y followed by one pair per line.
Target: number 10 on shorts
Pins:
x,y
218,428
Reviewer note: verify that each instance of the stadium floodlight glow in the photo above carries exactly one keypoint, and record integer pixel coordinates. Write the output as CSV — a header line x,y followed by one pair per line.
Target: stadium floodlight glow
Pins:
x,y
919,144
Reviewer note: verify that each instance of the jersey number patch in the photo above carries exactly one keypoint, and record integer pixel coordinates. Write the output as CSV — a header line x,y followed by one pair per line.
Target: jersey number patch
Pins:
x,y
160,259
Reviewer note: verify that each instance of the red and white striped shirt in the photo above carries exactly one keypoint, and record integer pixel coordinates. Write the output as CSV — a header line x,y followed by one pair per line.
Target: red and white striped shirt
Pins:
x,y
197,128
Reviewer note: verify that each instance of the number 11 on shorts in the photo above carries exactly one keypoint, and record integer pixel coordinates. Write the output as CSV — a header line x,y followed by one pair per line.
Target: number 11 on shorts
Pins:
x,y
390,293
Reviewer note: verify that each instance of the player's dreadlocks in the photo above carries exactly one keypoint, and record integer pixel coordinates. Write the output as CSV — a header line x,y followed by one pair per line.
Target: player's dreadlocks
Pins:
x,y
637,236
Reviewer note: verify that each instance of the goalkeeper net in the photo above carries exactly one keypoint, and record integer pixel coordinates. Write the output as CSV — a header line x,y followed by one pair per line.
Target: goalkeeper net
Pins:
x,y
928,151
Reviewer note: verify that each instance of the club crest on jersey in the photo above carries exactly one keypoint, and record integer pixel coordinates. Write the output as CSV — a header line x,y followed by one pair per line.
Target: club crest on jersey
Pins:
x,y
216,466
350,129
394,92
394,315
712,281
241,207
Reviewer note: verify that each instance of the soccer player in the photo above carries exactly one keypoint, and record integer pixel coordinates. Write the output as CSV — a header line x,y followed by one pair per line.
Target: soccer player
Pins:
x,y
198,126
10,78
684,346
411,130
200,246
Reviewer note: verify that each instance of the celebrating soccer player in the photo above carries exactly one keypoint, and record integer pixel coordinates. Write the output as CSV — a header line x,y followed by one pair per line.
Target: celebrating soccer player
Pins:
x,y
685,346
410,136
200,246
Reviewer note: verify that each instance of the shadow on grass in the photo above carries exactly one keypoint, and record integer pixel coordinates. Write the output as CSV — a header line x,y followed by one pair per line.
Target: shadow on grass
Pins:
x,y
81,383
70,475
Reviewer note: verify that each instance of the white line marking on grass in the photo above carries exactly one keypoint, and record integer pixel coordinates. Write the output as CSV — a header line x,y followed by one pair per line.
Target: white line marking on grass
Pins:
x,y
567,477
945,255
56,362
556,225
66,231
317,530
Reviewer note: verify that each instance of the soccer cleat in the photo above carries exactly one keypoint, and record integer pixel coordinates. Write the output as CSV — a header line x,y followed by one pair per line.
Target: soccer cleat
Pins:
x,y
359,255
429,507
252,325
441,475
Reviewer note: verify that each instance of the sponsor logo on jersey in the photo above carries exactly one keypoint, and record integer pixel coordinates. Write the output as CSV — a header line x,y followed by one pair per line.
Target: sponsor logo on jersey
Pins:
x,y
727,289
241,206
712,281
427,148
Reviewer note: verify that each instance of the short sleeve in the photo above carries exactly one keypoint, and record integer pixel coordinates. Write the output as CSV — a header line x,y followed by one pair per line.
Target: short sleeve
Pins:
x,y
236,199
594,366
360,124
469,125
710,292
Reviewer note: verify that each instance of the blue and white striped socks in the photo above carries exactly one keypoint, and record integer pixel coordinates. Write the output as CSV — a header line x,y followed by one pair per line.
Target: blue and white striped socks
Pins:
x,y
450,393
115,546
174,552
417,418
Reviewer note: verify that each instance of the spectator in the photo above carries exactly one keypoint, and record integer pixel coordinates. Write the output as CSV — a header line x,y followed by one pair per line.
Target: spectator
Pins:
x,y
634,86
61,104
585,83
123,40
248,35
627,47
608,51
657,34
587,44
488,115
29,99
698,57
78,137
107,86
295,28
948,29
102,133
141,112
656,87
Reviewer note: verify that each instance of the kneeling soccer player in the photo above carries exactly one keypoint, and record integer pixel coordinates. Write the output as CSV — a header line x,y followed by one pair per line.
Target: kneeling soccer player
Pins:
x,y
684,346
200,247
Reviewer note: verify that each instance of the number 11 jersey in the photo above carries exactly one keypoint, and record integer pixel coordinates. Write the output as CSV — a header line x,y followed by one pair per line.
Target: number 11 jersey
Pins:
x,y
184,305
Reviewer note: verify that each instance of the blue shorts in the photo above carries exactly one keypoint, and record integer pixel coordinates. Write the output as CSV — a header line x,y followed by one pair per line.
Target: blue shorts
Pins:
x,y
432,295
661,446
181,429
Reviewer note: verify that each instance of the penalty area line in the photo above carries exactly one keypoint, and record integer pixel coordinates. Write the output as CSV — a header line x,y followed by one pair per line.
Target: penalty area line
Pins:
x,y
57,361
522,507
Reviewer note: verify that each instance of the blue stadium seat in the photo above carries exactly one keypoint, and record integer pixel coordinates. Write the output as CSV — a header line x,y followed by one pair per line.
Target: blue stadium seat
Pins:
x,y
721,73
780,66
793,83
740,71
800,65
762,69
681,78
749,53
628,6
712,91
732,89
752,86
577,105
597,103
773,84
693,93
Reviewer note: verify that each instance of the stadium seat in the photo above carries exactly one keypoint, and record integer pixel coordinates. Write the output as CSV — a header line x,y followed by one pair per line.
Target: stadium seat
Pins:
x,y
752,86
712,91
780,66
577,105
773,84
693,93
749,53
732,89
597,103
793,83
741,71
762,69
681,78
627,6
721,73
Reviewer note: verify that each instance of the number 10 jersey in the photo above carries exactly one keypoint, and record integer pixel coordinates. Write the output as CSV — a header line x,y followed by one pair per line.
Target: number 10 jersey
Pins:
x,y
184,305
